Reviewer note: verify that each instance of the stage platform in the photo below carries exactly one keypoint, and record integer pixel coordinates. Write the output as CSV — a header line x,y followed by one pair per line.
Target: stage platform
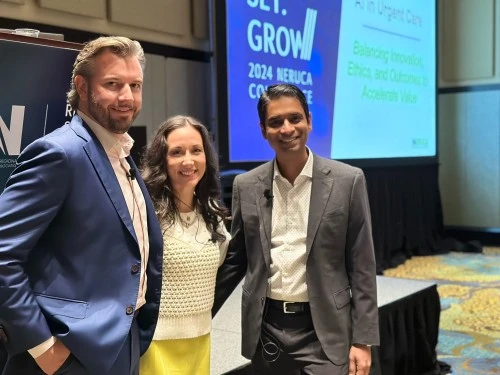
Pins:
x,y
409,319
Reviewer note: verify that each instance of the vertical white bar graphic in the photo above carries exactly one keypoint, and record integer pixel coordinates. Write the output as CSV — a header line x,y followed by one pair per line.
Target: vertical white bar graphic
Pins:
x,y
45,124
310,39
305,35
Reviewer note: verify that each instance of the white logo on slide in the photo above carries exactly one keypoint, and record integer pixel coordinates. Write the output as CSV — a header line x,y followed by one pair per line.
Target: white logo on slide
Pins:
x,y
308,34
266,37
10,137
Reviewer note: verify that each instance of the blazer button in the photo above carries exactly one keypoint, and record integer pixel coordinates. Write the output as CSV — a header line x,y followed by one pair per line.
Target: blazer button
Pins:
x,y
3,335
129,310
135,268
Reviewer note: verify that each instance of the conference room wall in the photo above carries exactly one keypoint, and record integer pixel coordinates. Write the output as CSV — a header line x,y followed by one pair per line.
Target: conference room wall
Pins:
x,y
174,86
469,81
171,85
180,23
469,112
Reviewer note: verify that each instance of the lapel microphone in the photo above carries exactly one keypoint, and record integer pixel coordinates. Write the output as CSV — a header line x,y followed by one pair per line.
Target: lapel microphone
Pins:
x,y
131,174
268,195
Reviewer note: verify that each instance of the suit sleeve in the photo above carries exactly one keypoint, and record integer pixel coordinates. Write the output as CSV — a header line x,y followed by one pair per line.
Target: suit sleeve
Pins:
x,y
33,195
223,245
361,266
232,271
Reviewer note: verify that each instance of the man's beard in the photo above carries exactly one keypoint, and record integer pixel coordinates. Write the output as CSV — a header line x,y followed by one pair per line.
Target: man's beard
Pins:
x,y
103,116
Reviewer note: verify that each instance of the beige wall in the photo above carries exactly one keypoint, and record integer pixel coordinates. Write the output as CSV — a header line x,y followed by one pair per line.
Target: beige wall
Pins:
x,y
174,86
469,36
469,122
171,86
469,54
180,23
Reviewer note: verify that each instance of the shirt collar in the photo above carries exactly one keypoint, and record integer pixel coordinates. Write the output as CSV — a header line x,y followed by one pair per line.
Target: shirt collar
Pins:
x,y
306,171
118,145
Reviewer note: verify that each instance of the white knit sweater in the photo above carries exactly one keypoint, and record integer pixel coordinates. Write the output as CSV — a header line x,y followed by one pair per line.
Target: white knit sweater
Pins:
x,y
190,263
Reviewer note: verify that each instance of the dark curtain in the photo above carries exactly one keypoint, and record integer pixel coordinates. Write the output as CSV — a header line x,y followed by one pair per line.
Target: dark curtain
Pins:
x,y
408,336
406,213
3,357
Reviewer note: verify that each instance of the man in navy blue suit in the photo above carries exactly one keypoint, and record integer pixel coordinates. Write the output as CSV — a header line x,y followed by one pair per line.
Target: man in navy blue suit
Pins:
x,y
80,245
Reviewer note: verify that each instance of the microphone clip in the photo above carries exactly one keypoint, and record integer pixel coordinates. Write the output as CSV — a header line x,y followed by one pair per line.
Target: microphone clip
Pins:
x,y
131,174
268,195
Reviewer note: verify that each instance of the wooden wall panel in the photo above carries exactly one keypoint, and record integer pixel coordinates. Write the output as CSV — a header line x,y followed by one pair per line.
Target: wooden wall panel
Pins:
x,y
153,95
168,16
87,8
200,19
179,23
188,89
467,43
469,156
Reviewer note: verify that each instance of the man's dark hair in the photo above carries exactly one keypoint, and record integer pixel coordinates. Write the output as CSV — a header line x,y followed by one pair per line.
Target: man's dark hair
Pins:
x,y
277,91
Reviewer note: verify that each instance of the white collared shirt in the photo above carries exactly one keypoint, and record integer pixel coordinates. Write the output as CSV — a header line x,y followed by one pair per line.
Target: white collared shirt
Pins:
x,y
290,217
117,147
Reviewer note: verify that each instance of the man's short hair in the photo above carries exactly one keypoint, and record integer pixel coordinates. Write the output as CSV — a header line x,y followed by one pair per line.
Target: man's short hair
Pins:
x,y
84,63
277,91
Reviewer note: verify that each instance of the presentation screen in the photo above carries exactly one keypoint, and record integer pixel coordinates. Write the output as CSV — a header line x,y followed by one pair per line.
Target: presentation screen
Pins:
x,y
367,68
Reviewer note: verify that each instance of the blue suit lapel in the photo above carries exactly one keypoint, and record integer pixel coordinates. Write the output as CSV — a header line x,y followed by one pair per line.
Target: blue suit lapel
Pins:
x,y
102,165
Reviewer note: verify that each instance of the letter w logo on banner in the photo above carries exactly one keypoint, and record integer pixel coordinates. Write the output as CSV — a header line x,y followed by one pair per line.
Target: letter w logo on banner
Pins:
x,y
10,138
308,34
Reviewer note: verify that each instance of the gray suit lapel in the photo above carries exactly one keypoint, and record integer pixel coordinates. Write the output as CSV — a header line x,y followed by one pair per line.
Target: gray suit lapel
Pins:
x,y
322,185
264,210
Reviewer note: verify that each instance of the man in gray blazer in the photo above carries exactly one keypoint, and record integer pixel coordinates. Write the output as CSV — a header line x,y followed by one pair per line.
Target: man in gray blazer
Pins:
x,y
302,237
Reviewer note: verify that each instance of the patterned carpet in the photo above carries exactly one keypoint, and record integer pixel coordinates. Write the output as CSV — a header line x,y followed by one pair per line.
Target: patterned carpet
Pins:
x,y
469,290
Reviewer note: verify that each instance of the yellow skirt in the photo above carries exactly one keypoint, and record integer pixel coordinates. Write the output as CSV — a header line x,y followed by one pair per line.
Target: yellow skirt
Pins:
x,y
177,357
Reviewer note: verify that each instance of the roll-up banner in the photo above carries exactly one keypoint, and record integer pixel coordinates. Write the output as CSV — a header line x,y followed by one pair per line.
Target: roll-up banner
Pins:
x,y
35,79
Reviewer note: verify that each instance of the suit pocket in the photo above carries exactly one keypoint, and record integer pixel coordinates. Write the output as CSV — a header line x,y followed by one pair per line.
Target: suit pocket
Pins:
x,y
248,209
332,213
244,291
342,297
62,306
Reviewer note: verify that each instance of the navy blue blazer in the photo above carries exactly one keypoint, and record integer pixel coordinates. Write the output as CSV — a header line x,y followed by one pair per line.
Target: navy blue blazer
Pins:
x,y
68,251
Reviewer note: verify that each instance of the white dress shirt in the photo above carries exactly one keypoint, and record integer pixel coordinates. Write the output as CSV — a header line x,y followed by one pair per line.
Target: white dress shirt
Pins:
x,y
290,217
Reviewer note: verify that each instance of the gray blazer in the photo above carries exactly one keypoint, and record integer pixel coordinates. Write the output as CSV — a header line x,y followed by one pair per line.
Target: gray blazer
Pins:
x,y
340,268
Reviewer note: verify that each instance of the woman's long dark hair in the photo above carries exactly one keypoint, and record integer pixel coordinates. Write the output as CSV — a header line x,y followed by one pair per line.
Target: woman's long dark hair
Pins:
x,y
207,191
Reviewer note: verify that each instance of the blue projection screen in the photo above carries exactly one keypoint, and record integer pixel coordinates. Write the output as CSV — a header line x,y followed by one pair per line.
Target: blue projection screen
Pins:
x,y
367,67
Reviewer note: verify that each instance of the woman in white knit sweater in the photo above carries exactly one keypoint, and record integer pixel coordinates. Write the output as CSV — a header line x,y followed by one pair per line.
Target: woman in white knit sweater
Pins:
x,y
180,170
